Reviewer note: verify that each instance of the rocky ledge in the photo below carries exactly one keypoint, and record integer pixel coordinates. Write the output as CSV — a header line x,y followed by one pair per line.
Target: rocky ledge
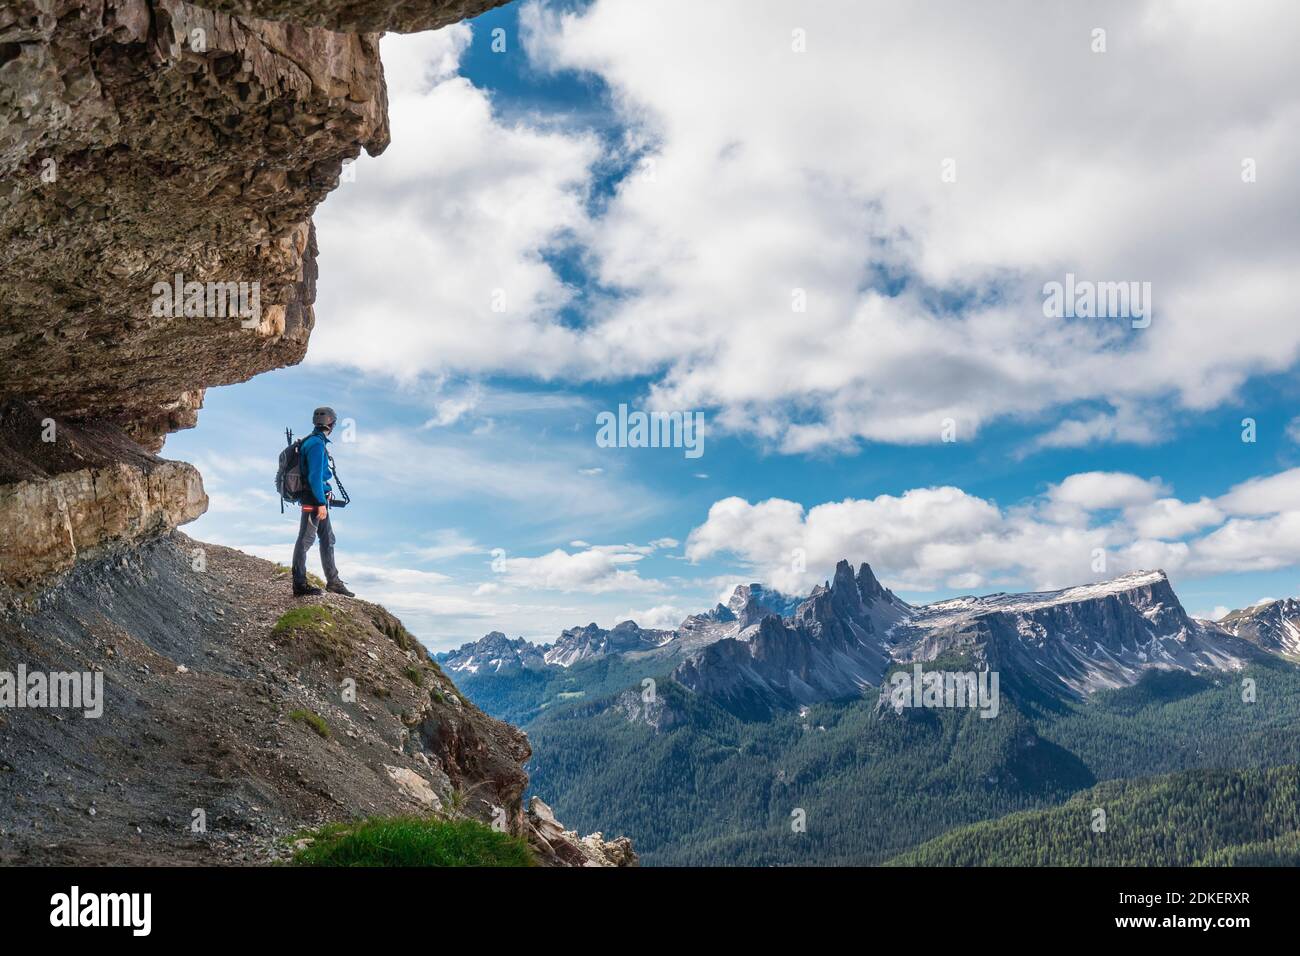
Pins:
x,y
69,492
234,716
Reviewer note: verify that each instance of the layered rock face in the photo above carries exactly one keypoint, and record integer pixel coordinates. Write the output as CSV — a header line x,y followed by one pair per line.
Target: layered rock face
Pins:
x,y
68,492
1062,644
159,165
1076,641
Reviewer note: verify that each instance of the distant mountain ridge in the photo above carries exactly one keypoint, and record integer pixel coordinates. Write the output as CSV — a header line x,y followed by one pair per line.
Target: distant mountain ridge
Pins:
x,y
1272,625
699,745
764,650
587,643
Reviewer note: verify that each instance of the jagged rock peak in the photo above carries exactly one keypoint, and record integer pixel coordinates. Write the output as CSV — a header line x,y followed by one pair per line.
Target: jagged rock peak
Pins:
x,y
1271,625
579,644
495,653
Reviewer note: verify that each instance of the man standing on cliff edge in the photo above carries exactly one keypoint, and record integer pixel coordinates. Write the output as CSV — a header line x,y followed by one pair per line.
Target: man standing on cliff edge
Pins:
x,y
315,508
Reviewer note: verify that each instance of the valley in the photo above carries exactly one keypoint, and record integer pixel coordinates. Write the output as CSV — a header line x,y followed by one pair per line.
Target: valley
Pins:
x,y
702,755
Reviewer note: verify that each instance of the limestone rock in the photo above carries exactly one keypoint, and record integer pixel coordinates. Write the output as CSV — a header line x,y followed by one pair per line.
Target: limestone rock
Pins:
x,y
45,526
69,491
398,16
145,139
558,846
414,786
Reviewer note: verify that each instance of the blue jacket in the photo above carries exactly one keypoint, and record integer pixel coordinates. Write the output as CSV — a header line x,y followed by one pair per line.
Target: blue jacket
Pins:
x,y
316,466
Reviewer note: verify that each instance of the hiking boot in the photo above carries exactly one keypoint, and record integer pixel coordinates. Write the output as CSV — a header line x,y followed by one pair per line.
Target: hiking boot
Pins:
x,y
338,587
303,590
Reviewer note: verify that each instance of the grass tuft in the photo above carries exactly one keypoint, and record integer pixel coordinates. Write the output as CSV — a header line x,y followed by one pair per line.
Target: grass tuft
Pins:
x,y
313,720
413,841
306,617
317,629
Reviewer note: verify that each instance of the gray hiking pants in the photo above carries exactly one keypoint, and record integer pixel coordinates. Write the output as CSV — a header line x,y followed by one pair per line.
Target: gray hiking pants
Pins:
x,y
308,530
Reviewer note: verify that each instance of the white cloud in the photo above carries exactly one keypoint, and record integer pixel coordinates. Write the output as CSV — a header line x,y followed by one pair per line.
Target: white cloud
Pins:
x,y
447,226
929,538
1251,544
595,570
817,174
1171,518
1266,495
820,172
1095,490
403,579
449,543
663,617
1126,424
532,470
452,408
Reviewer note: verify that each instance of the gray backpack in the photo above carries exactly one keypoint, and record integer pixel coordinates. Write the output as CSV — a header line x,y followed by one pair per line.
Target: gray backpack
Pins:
x,y
290,482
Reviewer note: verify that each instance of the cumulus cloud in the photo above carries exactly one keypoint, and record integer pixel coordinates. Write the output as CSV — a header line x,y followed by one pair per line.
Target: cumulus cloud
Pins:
x,y
930,538
1171,518
431,259
779,176
595,570
1126,424
660,617
1218,614
1251,544
1093,490
786,253
1266,495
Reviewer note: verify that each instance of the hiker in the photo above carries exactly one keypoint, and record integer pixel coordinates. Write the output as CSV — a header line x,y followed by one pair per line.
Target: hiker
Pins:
x,y
316,495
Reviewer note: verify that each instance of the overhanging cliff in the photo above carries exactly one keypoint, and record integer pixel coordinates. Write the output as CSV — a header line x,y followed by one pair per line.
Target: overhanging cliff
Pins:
x,y
159,165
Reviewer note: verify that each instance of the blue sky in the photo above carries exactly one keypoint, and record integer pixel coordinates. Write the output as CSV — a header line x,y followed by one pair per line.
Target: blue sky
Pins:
x,y
645,202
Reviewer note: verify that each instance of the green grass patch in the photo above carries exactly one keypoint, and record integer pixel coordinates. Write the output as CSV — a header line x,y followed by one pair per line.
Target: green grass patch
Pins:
x,y
414,676
317,629
413,841
307,617
313,720
392,628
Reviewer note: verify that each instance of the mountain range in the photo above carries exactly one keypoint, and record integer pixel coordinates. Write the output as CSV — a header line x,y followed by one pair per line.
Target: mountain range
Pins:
x,y
700,742
764,651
